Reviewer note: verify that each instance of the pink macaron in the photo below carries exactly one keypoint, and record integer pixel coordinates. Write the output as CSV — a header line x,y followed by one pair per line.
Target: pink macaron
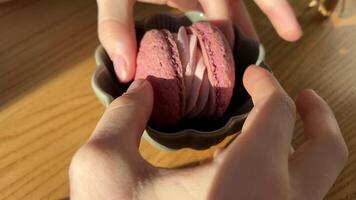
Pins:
x,y
192,73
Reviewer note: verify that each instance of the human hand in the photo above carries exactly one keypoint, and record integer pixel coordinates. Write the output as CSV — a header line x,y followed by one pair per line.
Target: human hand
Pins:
x,y
258,164
117,34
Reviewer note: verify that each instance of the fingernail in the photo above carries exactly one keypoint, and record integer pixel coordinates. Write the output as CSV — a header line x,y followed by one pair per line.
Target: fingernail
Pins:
x,y
309,90
136,84
120,66
312,91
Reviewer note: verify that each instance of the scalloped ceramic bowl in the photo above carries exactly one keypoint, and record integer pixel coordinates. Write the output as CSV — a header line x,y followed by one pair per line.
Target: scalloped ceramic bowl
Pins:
x,y
192,134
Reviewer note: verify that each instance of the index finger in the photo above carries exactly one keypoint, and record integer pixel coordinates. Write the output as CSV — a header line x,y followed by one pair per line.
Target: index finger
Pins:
x,y
269,126
219,14
261,150
117,35
315,165
282,17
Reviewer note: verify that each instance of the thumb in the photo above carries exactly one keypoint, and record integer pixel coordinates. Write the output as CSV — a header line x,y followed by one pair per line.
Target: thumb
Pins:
x,y
125,119
109,162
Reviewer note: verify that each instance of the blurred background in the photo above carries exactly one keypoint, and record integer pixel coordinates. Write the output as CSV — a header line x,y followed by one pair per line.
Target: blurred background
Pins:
x,y
48,109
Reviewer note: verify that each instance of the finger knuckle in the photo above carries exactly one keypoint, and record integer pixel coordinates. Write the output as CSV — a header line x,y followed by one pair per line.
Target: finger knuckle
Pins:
x,y
339,149
84,158
126,100
109,29
335,146
344,152
285,104
106,36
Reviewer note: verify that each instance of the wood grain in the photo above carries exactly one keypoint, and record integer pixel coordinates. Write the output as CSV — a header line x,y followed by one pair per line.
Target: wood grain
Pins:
x,y
47,107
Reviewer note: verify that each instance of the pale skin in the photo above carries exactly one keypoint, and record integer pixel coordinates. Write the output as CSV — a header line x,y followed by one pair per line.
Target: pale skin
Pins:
x,y
258,164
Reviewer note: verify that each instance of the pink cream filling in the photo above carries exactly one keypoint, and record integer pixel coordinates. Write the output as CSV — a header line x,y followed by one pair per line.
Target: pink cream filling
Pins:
x,y
196,80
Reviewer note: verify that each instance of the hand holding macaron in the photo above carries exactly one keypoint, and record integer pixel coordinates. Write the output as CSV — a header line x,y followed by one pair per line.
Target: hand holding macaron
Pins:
x,y
117,34
258,164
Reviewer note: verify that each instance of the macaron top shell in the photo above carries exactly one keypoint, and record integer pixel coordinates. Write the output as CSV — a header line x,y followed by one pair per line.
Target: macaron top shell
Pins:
x,y
220,65
158,61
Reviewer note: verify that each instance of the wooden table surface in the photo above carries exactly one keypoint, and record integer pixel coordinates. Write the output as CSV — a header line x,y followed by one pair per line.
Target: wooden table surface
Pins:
x,y
48,109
